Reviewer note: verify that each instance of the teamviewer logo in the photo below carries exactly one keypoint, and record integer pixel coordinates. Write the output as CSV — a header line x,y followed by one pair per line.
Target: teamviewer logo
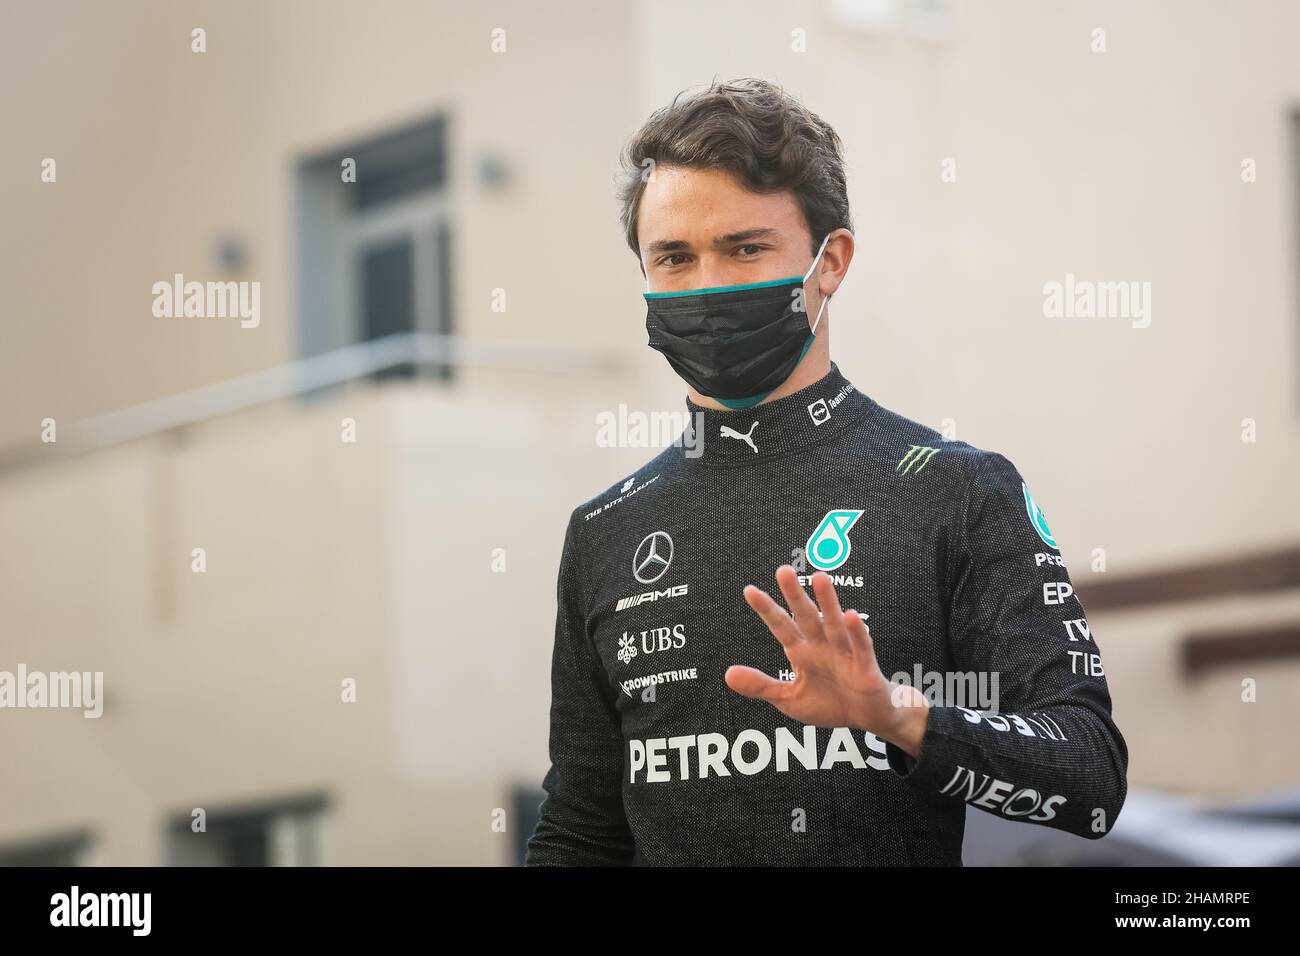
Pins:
x,y
819,411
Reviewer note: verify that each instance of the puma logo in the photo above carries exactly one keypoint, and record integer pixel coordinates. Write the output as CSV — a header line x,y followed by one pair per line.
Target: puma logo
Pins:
x,y
728,432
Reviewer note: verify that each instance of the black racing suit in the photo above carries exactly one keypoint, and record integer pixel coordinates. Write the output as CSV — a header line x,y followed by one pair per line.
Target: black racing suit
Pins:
x,y
655,760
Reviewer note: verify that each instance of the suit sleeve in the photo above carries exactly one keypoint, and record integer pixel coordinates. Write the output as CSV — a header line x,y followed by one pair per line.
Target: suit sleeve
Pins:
x,y
1047,752
582,821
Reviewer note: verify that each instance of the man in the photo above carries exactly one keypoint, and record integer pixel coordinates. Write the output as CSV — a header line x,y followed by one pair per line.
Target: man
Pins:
x,y
693,719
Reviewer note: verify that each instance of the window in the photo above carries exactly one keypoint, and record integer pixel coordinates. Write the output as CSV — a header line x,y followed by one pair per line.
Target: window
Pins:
x,y
67,849
374,253
287,833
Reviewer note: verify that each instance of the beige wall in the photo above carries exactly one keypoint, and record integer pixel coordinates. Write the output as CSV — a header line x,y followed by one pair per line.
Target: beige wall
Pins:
x,y
161,150
326,560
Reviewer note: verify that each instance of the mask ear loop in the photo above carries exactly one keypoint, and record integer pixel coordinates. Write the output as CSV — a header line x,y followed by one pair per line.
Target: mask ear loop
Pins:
x,y
825,298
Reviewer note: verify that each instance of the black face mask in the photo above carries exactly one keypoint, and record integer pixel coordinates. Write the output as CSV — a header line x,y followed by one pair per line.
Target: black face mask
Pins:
x,y
734,343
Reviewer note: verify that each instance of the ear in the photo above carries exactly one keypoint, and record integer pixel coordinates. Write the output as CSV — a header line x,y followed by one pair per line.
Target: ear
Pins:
x,y
836,260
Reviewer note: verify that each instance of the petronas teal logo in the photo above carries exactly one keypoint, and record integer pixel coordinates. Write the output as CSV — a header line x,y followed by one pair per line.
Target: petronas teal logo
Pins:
x,y
828,547
1038,520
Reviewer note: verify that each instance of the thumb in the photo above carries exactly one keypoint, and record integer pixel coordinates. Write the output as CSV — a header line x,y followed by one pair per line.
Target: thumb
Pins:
x,y
752,682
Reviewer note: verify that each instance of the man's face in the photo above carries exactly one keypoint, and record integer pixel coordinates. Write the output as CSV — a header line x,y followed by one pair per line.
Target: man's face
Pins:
x,y
701,228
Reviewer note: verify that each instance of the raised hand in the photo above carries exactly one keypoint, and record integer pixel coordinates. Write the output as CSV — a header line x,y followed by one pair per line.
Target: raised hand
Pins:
x,y
838,682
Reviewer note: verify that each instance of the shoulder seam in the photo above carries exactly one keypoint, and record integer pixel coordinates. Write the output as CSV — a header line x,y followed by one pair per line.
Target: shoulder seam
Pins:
x,y
580,549
964,507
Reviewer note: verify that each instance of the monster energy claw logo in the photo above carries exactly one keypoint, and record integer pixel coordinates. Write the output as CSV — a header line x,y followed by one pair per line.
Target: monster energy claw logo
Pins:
x,y
828,547
1037,518
916,453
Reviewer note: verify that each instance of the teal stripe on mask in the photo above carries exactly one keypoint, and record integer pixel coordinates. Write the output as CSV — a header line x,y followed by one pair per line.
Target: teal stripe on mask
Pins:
x,y
722,288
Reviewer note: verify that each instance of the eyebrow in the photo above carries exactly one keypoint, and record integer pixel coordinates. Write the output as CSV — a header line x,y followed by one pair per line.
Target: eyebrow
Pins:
x,y
678,245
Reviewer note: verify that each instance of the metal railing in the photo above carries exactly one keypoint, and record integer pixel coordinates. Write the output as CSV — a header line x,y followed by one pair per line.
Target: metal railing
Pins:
x,y
329,369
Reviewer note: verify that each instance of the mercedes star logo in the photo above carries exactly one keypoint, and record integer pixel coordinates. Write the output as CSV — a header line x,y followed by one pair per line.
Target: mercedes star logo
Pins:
x,y
653,555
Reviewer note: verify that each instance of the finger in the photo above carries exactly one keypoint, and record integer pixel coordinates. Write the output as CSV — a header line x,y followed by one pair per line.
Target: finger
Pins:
x,y
773,615
832,616
800,604
754,683
860,635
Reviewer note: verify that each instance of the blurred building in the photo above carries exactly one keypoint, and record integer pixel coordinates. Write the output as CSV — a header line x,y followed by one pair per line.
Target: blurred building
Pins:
x,y
374,470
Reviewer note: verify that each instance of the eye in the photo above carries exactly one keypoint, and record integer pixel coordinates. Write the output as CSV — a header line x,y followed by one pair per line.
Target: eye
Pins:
x,y
757,249
666,260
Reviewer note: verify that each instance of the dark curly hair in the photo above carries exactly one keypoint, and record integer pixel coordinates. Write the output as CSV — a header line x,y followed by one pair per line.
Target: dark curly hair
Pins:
x,y
757,131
